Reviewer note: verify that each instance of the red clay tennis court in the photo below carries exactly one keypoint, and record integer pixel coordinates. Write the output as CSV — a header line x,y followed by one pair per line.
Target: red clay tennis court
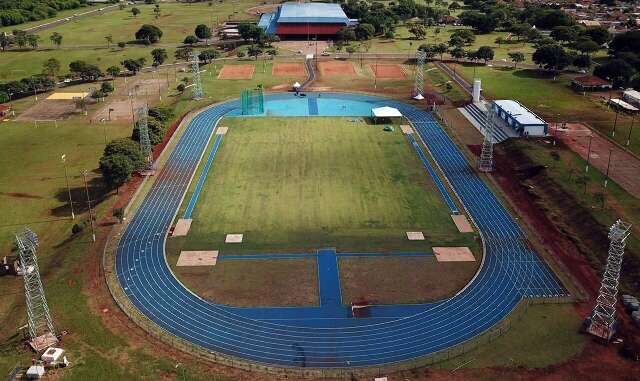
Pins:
x,y
290,69
236,72
336,68
391,71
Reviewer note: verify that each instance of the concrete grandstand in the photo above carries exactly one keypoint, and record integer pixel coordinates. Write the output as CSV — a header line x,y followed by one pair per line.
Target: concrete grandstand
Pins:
x,y
297,20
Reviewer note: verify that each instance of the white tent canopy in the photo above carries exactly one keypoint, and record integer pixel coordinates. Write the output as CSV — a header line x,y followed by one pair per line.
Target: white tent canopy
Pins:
x,y
386,112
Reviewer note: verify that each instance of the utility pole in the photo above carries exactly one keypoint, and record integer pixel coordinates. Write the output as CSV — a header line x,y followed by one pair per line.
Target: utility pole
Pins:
x,y
64,164
86,189
589,152
633,119
606,176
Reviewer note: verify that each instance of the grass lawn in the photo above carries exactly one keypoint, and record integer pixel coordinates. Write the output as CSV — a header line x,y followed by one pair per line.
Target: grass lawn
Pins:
x,y
552,99
15,65
291,173
547,334
177,20
394,280
564,171
60,15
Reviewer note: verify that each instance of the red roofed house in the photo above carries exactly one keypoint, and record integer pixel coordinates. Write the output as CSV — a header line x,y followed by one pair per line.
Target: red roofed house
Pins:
x,y
590,83
5,109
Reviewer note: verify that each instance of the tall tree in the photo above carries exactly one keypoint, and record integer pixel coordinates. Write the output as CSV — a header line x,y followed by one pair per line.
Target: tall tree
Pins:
x,y
109,38
56,39
159,56
148,33
135,11
51,67
516,58
203,32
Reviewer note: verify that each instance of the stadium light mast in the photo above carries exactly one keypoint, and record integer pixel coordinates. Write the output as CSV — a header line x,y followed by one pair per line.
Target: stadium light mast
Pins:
x,y
143,132
602,322
485,162
198,92
42,333
421,56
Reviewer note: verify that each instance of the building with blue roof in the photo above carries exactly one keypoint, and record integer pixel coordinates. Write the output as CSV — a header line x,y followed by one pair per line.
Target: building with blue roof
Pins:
x,y
305,19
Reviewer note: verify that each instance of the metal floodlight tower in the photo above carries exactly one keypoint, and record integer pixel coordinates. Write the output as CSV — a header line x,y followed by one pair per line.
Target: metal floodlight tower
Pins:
x,y
485,162
198,93
143,130
602,321
41,329
421,56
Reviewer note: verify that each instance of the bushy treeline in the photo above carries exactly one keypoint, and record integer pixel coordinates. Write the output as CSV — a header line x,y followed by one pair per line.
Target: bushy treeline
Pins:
x,y
14,12
124,156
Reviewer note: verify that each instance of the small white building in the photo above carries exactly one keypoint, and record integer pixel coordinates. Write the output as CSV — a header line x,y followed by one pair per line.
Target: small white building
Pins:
x,y
632,96
520,118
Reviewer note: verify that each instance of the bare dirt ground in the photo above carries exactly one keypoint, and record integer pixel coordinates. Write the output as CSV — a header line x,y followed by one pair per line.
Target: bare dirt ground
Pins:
x,y
121,110
624,168
305,47
260,9
336,68
421,279
151,87
236,72
49,110
288,69
391,71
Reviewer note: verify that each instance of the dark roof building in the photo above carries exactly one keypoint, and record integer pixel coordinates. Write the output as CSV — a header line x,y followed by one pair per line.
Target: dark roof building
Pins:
x,y
590,83
305,19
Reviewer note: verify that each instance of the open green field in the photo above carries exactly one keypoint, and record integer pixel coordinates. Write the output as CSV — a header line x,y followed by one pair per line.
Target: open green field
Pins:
x,y
546,334
295,184
552,99
60,15
177,20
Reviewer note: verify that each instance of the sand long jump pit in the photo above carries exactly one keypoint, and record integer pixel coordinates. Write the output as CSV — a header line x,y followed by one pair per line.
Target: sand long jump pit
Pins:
x,y
237,72
288,69
336,68
387,71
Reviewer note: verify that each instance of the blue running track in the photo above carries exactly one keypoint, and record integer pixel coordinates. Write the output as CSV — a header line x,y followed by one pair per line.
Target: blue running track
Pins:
x,y
327,336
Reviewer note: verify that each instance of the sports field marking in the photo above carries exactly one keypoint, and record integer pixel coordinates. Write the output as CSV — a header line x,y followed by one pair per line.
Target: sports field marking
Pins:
x,y
182,227
406,129
234,238
415,236
236,72
198,258
336,68
453,254
203,177
436,179
462,223
67,96
291,69
390,71
222,130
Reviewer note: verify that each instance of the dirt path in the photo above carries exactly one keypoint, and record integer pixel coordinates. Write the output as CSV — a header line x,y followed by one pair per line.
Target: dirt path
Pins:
x,y
624,168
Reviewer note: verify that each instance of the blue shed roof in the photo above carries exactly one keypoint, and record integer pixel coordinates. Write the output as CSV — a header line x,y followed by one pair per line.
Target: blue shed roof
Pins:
x,y
268,22
312,13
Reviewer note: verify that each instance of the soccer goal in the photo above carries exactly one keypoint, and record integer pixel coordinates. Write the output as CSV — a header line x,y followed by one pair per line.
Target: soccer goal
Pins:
x,y
45,122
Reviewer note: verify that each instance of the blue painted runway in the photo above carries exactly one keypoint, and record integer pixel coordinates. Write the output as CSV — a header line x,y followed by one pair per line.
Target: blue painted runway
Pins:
x,y
326,336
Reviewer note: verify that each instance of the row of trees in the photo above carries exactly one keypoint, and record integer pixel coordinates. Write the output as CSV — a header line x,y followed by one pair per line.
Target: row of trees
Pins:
x,y
487,16
122,157
14,12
